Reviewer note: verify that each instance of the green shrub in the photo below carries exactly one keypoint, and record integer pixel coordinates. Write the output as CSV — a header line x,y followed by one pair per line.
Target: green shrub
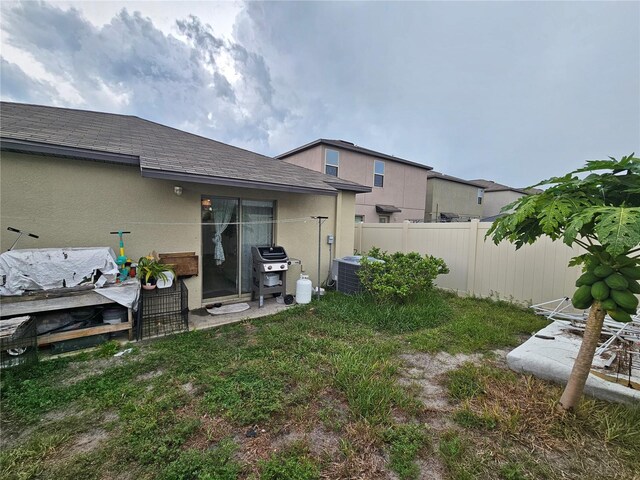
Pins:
x,y
401,276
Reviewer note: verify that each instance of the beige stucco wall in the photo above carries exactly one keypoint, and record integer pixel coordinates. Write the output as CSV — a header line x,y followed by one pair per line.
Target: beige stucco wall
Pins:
x,y
494,201
451,197
312,159
75,203
405,186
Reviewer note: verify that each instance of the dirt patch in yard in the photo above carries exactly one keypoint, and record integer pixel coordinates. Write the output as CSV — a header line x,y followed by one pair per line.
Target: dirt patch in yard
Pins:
x,y
13,436
87,442
427,371
149,375
80,370
210,432
321,442
250,330
188,388
431,468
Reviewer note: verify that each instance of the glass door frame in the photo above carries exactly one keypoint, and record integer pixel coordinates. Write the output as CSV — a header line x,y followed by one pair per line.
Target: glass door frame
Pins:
x,y
239,237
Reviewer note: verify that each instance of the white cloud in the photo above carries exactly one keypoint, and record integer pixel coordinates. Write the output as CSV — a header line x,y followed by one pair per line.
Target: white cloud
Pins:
x,y
128,65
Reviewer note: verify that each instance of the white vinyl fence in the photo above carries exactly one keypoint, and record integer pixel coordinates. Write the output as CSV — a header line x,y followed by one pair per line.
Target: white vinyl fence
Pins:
x,y
535,273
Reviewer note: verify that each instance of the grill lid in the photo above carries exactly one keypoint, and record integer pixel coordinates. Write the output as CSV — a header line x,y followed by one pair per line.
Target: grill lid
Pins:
x,y
269,254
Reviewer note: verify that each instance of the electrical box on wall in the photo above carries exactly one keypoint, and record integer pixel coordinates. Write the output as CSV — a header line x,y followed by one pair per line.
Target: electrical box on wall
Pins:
x,y
330,239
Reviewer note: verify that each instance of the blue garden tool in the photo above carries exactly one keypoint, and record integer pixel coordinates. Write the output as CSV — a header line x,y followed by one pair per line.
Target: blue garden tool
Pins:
x,y
121,261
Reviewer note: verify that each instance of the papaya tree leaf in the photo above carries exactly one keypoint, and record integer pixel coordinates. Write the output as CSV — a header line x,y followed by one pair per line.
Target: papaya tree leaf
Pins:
x,y
579,260
557,212
618,228
577,222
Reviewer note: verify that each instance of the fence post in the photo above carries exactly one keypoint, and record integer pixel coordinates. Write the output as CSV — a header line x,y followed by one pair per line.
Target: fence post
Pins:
x,y
405,236
360,233
471,262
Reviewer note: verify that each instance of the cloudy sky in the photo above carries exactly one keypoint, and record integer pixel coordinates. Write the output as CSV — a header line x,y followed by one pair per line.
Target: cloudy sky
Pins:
x,y
510,91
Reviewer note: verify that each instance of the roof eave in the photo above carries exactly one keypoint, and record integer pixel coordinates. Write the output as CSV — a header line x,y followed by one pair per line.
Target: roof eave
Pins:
x,y
350,188
356,149
232,182
29,147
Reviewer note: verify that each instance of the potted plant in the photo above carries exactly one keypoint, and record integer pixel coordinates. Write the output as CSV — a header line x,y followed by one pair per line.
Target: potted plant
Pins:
x,y
150,270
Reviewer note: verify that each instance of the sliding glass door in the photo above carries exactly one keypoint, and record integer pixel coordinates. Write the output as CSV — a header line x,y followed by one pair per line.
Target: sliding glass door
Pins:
x,y
230,227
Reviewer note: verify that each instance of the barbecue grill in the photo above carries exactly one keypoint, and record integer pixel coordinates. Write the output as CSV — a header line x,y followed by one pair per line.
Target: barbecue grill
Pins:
x,y
270,265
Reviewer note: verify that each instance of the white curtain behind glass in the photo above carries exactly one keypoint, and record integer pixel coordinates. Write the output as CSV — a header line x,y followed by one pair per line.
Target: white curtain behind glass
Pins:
x,y
222,213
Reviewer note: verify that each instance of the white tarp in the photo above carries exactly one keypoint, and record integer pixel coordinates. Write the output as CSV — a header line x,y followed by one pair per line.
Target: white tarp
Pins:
x,y
126,293
48,268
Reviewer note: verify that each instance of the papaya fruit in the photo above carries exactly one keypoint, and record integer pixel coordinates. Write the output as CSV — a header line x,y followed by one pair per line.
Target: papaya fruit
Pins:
x,y
592,262
625,299
602,271
600,291
582,298
616,281
587,278
631,272
609,304
630,311
619,315
634,286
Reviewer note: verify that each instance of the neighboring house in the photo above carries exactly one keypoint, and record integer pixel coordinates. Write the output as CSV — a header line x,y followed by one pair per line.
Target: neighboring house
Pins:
x,y
73,176
452,199
398,186
496,196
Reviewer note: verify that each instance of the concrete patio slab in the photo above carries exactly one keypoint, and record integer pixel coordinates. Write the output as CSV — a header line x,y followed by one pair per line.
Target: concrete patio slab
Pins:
x,y
200,319
550,355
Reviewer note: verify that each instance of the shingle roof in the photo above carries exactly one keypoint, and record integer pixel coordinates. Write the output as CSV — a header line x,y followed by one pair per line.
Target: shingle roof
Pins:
x,y
353,148
162,151
442,176
490,186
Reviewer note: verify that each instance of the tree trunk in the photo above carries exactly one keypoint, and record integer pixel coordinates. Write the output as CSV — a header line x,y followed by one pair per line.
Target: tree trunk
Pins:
x,y
582,366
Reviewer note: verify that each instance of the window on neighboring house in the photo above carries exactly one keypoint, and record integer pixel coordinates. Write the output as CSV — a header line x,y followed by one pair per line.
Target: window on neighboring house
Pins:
x,y
480,195
359,218
331,162
384,218
378,174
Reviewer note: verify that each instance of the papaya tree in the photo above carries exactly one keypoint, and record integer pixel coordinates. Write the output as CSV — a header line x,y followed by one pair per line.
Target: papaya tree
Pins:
x,y
598,208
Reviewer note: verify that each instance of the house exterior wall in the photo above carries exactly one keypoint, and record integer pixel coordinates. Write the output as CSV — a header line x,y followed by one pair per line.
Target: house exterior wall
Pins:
x,y
451,197
312,158
405,186
76,203
494,201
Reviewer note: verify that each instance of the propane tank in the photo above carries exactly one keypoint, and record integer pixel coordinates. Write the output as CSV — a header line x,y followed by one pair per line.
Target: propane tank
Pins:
x,y
303,289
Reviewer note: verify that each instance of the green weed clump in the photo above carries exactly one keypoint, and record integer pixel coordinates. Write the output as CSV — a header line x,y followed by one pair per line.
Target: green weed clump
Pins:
x,y
477,325
291,464
28,459
465,382
246,396
213,464
367,379
404,443
427,311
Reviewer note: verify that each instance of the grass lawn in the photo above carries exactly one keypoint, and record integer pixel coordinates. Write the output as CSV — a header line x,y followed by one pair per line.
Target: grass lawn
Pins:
x,y
342,388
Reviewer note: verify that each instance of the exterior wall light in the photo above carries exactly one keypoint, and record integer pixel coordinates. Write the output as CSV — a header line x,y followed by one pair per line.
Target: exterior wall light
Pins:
x,y
177,190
